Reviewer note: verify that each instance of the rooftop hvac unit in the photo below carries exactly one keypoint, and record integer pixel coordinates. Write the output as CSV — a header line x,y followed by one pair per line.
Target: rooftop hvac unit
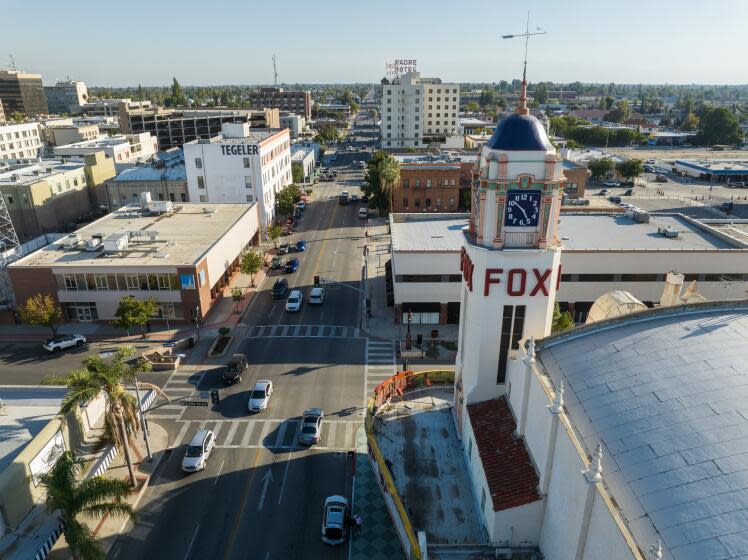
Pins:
x,y
160,206
641,217
93,244
71,240
116,243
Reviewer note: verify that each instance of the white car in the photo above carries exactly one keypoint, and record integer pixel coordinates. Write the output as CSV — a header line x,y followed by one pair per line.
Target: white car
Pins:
x,y
197,453
65,341
259,398
293,303
316,296
333,521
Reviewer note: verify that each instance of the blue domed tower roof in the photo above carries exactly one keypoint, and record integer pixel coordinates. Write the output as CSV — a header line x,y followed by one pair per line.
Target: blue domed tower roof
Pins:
x,y
520,132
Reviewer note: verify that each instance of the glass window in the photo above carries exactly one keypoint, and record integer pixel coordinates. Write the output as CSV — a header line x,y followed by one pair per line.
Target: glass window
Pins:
x,y
248,182
164,282
406,183
428,203
70,282
418,202
183,197
451,203
438,202
428,183
200,182
198,163
131,281
101,282
246,162
418,183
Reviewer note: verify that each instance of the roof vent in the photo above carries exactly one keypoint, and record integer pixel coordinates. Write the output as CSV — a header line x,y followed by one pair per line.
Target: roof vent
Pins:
x,y
71,240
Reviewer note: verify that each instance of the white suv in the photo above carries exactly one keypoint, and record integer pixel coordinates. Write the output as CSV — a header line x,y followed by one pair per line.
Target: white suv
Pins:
x,y
198,451
65,341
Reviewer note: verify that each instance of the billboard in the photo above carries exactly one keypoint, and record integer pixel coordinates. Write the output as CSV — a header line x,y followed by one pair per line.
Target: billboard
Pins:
x,y
400,66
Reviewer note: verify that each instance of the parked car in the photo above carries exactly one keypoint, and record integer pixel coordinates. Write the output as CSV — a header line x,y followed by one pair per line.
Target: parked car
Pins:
x,y
333,520
604,192
661,178
280,288
317,295
293,303
364,198
354,198
236,365
292,265
628,192
65,341
363,213
276,262
259,397
615,199
197,452
300,246
610,183
283,248
311,426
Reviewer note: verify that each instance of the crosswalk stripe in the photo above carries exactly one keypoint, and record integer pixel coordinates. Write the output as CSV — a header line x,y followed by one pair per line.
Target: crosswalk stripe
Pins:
x,y
180,435
232,430
247,434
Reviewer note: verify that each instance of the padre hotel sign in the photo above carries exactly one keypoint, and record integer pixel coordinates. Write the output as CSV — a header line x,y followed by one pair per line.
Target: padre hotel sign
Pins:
x,y
400,66
240,150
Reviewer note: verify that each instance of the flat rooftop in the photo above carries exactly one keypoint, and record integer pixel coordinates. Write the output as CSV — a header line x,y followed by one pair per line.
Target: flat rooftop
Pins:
x,y
27,411
255,135
427,232
183,237
26,174
734,166
579,232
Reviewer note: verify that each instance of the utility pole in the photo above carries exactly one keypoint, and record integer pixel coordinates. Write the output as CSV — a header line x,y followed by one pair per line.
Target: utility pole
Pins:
x,y
275,71
12,62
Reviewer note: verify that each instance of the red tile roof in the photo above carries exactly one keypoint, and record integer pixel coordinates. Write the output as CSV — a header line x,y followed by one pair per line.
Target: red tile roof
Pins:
x,y
510,474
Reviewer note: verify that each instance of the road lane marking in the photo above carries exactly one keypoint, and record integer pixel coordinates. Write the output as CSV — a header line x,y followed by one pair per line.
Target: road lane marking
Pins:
x,y
218,474
232,430
285,474
245,496
180,435
192,542
266,480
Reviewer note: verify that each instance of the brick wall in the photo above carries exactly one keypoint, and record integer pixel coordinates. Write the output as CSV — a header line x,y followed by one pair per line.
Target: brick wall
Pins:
x,y
412,193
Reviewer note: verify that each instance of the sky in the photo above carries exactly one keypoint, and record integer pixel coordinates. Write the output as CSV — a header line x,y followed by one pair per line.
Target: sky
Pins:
x,y
337,41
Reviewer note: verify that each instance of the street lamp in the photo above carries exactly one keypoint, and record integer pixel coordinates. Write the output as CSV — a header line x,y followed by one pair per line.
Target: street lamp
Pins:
x,y
143,422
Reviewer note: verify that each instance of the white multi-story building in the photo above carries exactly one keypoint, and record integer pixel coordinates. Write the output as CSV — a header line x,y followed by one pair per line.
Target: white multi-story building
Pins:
x,y
20,141
66,97
416,111
239,165
295,123
123,149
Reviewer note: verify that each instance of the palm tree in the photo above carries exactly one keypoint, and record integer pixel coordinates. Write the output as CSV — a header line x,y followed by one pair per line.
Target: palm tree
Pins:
x,y
107,376
71,496
389,173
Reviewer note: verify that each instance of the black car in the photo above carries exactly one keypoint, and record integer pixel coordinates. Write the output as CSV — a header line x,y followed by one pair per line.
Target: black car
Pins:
x,y
280,288
364,198
283,248
629,192
232,373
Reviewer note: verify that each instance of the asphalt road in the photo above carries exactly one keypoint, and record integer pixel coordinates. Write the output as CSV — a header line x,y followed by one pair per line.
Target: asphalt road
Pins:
x,y
27,363
262,494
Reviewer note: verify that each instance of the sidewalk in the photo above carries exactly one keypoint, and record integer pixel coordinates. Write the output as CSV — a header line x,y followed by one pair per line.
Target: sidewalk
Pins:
x,y
107,529
378,539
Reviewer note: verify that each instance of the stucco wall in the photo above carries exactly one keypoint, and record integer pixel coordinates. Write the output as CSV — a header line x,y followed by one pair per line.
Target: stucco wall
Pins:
x,y
605,538
226,249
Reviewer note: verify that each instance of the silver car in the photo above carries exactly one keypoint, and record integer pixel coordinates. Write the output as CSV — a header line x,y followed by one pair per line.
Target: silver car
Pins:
x,y
311,426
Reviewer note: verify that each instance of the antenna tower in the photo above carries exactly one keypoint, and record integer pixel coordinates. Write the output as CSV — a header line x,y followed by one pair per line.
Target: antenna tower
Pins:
x,y
275,71
12,62
10,249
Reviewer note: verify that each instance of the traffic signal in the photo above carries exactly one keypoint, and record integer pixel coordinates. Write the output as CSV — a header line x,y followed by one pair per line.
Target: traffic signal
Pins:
x,y
214,397
316,281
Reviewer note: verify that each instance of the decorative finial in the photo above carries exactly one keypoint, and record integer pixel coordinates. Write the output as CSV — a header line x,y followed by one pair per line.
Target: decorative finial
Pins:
x,y
522,107
594,472
530,358
557,406
655,551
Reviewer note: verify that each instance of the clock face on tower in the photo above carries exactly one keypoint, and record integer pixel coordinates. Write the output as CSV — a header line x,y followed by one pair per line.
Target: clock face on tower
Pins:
x,y
522,208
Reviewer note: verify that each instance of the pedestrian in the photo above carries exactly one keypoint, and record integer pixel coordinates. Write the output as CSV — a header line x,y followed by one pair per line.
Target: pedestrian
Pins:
x,y
357,519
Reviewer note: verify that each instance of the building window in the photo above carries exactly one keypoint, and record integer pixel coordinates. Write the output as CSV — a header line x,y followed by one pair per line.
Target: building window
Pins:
x,y
428,183
131,281
405,202
428,203
405,183
101,283
203,198
418,183
250,198
248,182
164,282
70,282
453,182
10,200
198,163
418,202
183,197
438,202
171,197
200,182
160,196
246,162
451,203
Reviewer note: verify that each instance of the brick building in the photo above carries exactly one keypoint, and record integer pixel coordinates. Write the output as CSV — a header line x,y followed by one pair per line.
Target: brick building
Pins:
x,y
427,184
295,101
575,182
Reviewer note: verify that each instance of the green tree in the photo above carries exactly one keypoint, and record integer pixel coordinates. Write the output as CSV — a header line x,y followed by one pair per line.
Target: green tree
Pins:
x,y
472,107
41,310
621,113
297,172
719,126
177,97
133,312
274,232
141,94
541,94
561,321
630,169
251,263
107,376
487,97
600,167
72,496
17,117
382,172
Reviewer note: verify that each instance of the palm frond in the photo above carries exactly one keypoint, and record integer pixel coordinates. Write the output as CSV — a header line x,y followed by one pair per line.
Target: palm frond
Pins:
x,y
54,379
100,490
122,509
77,396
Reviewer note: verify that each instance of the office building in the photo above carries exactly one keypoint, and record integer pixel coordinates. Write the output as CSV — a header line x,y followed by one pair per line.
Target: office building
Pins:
x,y
239,165
20,141
111,107
728,171
293,101
164,178
64,132
302,159
22,92
47,196
418,111
427,184
296,124
66,97
175,127
181,255
123,149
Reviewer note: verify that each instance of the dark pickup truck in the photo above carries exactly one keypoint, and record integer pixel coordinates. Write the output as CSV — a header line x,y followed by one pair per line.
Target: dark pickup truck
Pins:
x,y
232,373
